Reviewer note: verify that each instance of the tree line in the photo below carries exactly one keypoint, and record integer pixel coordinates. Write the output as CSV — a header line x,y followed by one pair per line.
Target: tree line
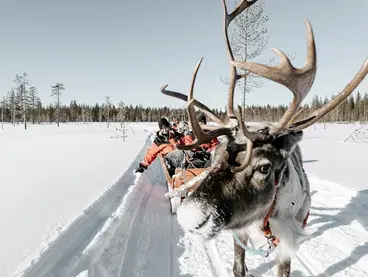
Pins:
x,y
22,105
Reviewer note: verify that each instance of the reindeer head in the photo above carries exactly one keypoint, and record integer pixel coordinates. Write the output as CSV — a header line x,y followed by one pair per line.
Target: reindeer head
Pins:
x,y
239,187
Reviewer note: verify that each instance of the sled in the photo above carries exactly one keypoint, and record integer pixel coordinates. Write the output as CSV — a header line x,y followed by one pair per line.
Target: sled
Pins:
x,y
178,181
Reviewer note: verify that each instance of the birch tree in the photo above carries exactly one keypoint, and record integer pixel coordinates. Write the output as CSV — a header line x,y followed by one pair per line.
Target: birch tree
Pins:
x,y
248,40
56,92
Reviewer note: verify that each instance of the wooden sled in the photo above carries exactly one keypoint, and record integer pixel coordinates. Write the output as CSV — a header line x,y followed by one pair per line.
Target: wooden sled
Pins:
x,y
180,178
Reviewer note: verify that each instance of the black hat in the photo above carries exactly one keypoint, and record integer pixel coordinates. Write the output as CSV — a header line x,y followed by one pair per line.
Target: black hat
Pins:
x,y
202,118
163,123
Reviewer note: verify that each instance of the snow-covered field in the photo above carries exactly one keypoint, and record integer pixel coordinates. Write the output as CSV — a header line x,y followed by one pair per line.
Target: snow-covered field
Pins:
x,y
74,186
49,175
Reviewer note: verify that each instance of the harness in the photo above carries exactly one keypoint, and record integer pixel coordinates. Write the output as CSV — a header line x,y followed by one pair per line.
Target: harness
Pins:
x,y
272,240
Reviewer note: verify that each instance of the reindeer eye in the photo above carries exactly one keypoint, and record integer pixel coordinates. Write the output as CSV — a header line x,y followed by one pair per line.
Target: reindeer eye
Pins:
x,y
265,169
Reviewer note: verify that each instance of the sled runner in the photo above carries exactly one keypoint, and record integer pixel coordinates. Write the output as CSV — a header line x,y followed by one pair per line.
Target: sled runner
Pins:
x,y
181,184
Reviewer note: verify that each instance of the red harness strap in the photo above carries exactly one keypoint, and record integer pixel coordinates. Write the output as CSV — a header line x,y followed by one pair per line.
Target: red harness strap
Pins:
x,y
305,221
266,224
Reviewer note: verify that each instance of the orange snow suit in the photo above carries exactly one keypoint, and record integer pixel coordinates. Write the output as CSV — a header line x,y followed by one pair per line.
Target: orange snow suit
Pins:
x,y
162,145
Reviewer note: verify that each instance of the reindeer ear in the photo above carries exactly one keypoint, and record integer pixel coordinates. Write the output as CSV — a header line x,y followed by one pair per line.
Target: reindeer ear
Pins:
x,y
288,141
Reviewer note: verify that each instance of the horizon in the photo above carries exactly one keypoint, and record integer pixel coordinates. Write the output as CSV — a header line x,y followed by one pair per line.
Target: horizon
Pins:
x,y
98,49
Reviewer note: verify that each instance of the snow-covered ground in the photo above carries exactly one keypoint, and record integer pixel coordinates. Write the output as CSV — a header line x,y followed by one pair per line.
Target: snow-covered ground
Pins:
x,y
74,186
49,175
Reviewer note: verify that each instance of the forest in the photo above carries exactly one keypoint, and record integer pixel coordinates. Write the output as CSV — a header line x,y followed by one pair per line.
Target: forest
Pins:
x,y
22,105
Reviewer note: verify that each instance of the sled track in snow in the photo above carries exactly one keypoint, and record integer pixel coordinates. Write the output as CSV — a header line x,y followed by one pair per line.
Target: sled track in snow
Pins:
x,y
128,231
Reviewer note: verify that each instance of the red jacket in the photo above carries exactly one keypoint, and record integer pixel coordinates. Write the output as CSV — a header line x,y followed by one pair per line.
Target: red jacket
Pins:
x,y
206,146
163,145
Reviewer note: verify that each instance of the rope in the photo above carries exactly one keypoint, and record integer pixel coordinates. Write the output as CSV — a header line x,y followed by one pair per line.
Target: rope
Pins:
x,y
252,250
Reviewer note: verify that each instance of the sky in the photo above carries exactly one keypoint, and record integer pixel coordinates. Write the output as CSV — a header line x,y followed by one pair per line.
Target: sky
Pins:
x,y
128,49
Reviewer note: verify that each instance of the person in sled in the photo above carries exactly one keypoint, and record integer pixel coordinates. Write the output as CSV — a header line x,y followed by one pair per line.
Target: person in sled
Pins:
x,y
175,123
165,142
199,157
183,127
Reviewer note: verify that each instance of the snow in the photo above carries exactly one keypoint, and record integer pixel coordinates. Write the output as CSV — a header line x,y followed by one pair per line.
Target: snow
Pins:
x,y
49,175
327,155
71,206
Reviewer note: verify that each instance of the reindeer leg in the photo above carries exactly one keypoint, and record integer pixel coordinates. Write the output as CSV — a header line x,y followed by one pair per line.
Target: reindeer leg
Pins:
x,y
283,268
239,267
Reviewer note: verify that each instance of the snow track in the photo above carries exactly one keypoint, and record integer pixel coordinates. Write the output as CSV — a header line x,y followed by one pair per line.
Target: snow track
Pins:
x,y
128,231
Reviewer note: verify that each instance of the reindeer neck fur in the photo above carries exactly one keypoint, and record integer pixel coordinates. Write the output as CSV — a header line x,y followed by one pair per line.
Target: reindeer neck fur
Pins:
x,y
292,203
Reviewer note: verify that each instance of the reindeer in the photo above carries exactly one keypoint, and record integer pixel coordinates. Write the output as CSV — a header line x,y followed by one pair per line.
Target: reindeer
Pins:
x,y
256,183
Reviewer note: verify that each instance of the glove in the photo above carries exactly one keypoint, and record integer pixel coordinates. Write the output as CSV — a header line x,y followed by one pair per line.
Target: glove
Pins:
x,y
141,168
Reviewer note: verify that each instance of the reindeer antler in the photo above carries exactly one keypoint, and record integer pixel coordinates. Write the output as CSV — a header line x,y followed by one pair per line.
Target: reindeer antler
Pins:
x,y
200,135
300,81
198,104
324,110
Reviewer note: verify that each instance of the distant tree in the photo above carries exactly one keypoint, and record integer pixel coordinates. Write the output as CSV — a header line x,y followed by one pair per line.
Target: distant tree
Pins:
x,y
100,112
34,100
358,107
107,110
39,111
122,113
56,91
74,110
364,105
316,102
122,117
12,101
21,82
248,40
88,113
3,107
83,114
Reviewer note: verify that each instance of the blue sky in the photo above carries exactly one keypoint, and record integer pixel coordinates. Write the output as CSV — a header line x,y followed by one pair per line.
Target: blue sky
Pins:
x,y
128,49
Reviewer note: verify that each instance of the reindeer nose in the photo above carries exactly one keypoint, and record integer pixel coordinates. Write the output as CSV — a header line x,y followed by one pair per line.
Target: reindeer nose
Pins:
x,y
192,216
